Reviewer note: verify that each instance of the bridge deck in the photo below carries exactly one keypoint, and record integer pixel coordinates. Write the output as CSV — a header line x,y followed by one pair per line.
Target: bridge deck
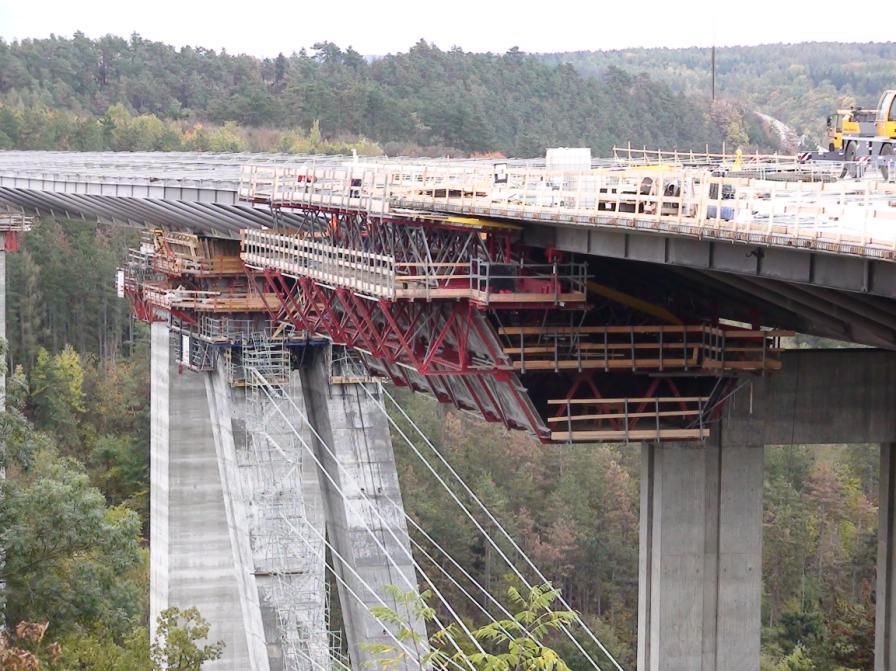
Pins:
x,y
851,217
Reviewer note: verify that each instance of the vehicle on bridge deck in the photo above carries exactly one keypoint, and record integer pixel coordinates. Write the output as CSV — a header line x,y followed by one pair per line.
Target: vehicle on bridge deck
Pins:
x,y
863,135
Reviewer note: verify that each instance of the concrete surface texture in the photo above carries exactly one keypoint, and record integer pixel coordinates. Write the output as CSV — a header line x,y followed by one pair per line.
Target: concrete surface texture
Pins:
x,y
190,548
2,323
700,558
362,466
818,397
240,507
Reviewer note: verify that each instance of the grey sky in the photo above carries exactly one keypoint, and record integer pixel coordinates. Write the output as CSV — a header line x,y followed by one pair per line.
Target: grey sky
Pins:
x,y
371,27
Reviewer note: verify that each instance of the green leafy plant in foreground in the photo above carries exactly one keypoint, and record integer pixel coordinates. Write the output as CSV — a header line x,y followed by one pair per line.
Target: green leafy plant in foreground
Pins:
x,y
515,643
177,646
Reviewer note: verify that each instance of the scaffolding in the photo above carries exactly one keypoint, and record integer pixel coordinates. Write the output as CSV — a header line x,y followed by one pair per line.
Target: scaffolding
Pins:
x,y
13,222
425,263
630,419
339,660
347,366
697,348
289,574
177,253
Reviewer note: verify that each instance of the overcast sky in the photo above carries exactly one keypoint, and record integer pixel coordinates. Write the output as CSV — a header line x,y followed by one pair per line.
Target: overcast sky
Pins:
x,y
375,27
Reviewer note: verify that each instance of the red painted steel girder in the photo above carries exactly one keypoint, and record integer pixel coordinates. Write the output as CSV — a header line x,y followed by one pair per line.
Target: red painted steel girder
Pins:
x,y
446,348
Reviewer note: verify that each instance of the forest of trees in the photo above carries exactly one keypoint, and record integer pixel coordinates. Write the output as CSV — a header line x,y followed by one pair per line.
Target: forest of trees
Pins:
x,y
125,94
800,84
75,440
113,93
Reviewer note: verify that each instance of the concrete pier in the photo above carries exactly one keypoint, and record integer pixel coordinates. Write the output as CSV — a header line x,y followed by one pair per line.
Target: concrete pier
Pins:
x,y
884,635
235,492
357,430
826,397
3,323
190,545
701,508
226,412
701,557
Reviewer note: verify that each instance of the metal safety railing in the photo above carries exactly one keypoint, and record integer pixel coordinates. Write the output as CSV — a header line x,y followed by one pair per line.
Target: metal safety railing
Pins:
x,y
492,281
630,419
364,272
14,221
643,156
206,301
845,216
697,348
381,276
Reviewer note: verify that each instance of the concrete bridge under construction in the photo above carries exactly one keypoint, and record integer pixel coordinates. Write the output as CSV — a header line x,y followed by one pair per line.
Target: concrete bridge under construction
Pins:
x,y
649,299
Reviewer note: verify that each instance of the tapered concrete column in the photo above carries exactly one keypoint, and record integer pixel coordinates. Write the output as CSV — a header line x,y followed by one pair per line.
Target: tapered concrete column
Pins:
x,y
3,323
362,464
3,358
700,557
191,561
885,639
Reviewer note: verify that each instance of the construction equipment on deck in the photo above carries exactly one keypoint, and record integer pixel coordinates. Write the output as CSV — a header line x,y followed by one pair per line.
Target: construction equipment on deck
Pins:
x,y
863,136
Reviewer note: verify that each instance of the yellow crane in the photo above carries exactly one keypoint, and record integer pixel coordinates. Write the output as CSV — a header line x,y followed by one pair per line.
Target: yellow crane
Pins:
x,y
860,135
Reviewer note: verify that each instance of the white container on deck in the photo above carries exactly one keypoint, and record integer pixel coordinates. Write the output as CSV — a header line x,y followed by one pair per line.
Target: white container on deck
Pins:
x,y
568,159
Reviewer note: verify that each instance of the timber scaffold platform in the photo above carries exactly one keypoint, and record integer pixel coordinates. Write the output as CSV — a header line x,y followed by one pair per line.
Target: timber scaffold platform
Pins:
x,y
199,286
13,222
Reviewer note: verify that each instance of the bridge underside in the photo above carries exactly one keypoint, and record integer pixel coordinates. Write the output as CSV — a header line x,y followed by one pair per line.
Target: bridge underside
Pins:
x,y
828,295
848,299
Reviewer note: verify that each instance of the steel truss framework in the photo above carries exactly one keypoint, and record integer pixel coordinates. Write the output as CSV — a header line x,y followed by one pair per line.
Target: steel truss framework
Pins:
x,y
416,258
446,348
481,355
509,342
408,240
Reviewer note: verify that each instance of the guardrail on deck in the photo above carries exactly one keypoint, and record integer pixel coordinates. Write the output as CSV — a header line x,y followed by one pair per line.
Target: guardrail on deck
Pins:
x,y
382,276
844,216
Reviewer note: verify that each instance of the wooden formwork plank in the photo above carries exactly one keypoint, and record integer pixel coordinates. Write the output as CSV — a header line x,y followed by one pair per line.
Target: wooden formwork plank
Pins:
x,y
572,364
577,330
600,347
768,364
625,415
636,434
642,399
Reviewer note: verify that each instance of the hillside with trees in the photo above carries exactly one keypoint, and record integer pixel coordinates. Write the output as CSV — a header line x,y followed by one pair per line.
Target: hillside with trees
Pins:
x,y
113,93
75,509
800,84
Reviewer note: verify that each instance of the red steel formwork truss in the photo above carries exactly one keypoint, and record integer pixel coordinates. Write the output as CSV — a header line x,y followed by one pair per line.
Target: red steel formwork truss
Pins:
x,y
434,338
446,348
144,309
10,241
419,329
